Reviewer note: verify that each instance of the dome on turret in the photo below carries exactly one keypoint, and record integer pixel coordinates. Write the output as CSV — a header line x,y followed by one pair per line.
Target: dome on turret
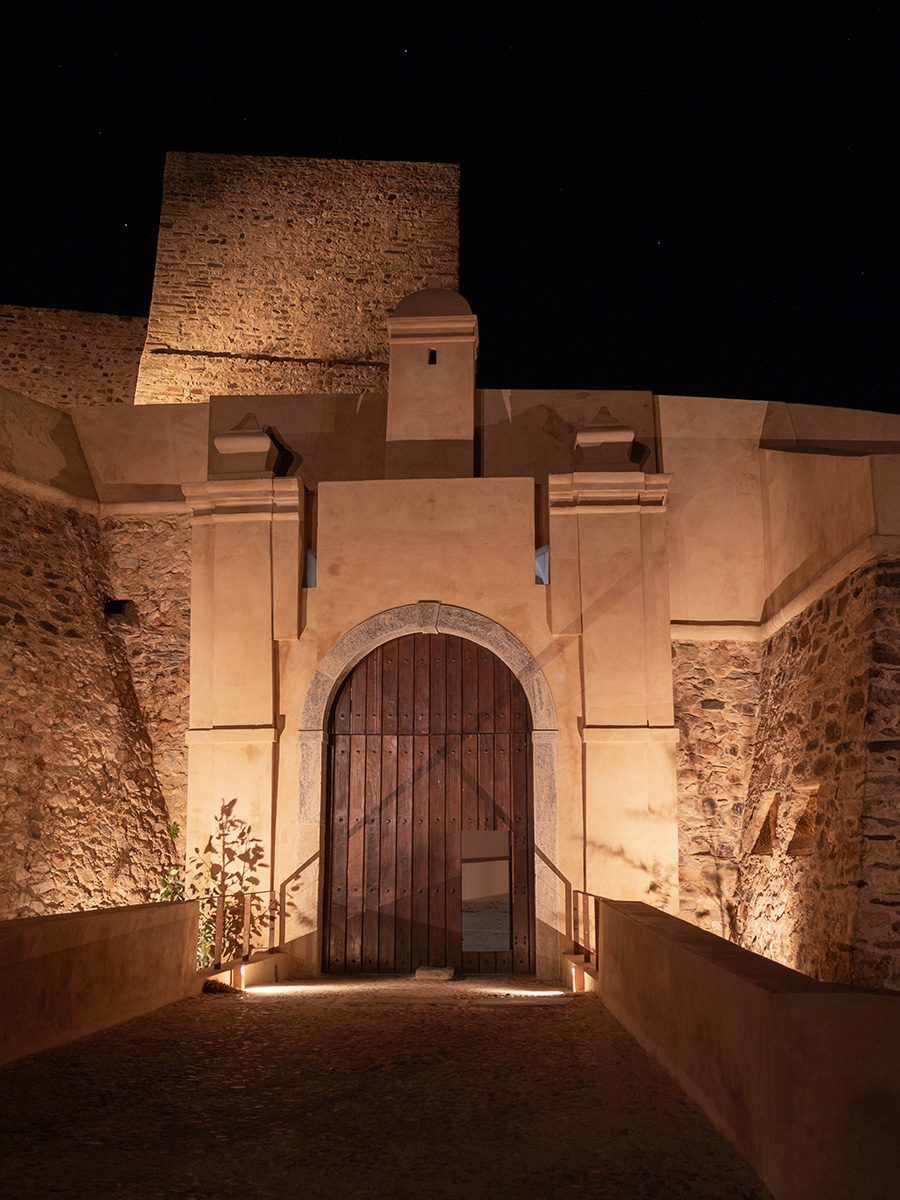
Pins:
x,y
433,301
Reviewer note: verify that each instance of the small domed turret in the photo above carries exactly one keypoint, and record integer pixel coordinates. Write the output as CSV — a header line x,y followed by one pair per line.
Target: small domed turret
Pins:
x,y
433,301
433,337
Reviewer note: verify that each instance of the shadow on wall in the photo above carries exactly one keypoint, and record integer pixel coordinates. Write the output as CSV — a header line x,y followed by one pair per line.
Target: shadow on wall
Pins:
x,y
660,892
236,915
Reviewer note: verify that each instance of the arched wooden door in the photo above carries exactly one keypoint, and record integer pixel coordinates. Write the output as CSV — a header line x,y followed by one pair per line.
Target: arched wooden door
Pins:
x,y
429,812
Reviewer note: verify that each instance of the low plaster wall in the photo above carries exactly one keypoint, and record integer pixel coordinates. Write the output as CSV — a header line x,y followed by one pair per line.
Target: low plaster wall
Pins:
x,y
800,1076
65,976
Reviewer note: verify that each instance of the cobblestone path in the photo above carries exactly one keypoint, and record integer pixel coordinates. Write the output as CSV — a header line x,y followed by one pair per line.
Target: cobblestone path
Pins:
x,y
368,1089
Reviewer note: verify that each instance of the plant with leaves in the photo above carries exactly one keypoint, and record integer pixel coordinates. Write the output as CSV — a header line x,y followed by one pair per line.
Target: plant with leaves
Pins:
x,y
227,867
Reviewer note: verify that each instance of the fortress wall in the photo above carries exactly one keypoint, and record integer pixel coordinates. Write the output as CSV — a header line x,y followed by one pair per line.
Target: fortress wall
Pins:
x,y
193,378
797,902
65,358
715,690
150,565
876,959
83,821
277,275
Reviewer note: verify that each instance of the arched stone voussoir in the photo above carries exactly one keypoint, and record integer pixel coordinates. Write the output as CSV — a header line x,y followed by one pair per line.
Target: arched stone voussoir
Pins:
x,y
428,616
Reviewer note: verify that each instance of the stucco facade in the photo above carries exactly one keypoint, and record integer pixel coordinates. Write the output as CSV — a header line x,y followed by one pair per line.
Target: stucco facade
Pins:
x,y
698,596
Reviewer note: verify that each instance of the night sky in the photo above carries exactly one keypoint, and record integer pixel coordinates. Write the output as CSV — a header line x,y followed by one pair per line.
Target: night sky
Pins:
x,y
690,197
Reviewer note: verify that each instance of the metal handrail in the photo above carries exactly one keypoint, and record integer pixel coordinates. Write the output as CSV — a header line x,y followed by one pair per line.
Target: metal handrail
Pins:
x,y
585,905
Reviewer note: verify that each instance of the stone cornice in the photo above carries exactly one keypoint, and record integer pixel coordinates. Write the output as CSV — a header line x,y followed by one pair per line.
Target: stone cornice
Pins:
x,y
84,504
607,491
224,499
868,550
429,329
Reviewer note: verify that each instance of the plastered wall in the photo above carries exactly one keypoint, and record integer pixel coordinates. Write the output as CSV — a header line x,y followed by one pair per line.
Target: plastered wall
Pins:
x,y
68,358
816,508
276,276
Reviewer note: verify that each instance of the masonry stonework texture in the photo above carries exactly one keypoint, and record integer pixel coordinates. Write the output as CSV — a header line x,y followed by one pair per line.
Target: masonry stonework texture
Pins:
x,y
876,958
798,894
83,821
150,565
67,359
715,692
276,276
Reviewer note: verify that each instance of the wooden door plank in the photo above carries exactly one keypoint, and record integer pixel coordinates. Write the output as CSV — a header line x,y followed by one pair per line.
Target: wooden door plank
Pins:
x,y
487,961
337,858
469,687
389,680
340,714
469,780
485,781
356,830
372,858
393,872
406,690
358,698
503,680
404,917
421,762
437,721
453,707
452,868
422,682
373,691
486,662
503,819
387,874
502,786
519,711
437,852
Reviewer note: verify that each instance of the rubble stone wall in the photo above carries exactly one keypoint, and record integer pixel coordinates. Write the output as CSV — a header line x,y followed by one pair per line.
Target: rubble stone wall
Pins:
x,y
876,958
83,822
64,358
277,275
802,856
150,565
715,691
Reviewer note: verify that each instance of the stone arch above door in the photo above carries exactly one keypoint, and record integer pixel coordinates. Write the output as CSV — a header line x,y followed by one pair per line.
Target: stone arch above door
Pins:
x,y
433,617
426,617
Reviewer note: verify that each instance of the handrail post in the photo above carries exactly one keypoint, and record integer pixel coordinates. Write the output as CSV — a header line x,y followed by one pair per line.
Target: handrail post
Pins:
x,y
597,933
220,923
576,939
248,911
586,917
273,920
